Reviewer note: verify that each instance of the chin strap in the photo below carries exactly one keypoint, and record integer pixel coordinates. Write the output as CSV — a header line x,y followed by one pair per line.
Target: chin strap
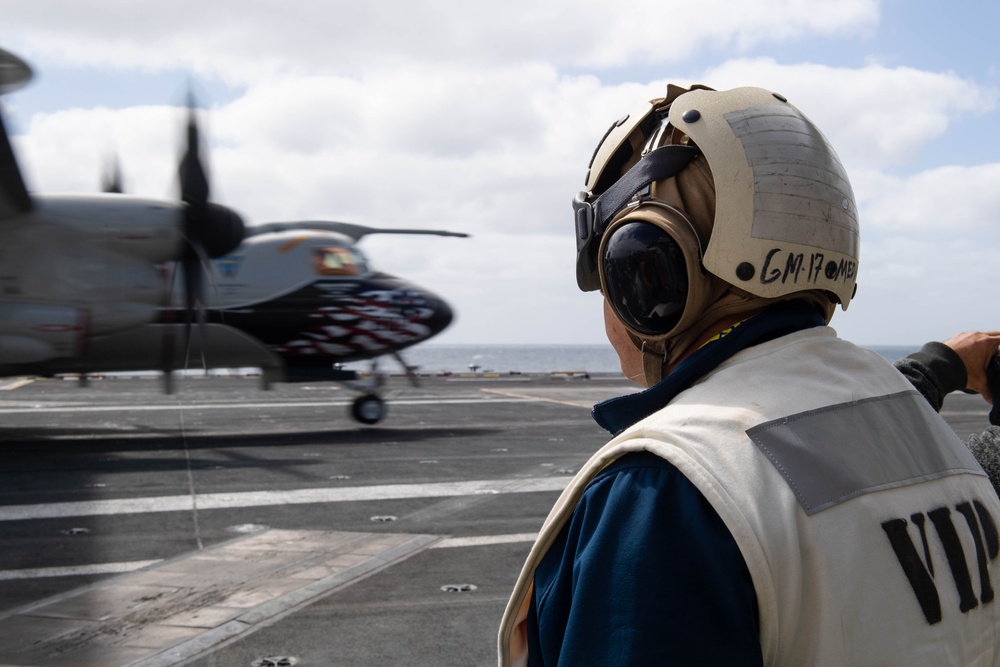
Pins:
x,y
654,361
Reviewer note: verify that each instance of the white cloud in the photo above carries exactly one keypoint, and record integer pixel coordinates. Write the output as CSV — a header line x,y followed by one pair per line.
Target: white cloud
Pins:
x,y
914,290
504,287
929,255
241,41
427,116
66,151
874,116
497,153
949,200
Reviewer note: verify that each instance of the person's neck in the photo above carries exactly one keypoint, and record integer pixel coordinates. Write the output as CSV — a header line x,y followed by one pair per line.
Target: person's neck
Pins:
x,y
708,334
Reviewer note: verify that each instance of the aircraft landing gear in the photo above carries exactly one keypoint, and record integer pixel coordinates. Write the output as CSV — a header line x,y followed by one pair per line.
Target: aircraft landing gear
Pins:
x,y
368,409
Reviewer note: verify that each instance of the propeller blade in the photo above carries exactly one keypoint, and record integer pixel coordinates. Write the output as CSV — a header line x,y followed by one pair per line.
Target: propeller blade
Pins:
x,y
14,72
167,340
194,181
209,230
214,229
194,306
111,180
194,194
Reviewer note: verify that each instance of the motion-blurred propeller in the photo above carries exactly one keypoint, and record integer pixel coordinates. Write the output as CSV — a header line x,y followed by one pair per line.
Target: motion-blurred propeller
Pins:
x,y
209,230
111,179
14,72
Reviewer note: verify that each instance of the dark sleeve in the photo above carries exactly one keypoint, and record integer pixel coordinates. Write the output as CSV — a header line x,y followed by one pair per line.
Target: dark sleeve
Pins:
x,y
935,371
644,573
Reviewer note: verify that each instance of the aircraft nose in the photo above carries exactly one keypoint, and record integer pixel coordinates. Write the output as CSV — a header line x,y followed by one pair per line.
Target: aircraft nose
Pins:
x,y
441,315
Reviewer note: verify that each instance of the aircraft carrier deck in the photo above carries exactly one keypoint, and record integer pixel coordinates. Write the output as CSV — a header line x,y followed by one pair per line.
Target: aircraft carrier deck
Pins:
x,y
227,526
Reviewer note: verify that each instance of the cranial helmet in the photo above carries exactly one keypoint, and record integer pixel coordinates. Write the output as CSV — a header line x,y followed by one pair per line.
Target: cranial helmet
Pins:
x,y
706,203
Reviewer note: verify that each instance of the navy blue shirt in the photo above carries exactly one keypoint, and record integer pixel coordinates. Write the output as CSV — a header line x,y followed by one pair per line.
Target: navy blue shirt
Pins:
x,y
645,572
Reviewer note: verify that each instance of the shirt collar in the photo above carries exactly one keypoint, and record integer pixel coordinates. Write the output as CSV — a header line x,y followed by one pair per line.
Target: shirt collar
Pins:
x,y
617,414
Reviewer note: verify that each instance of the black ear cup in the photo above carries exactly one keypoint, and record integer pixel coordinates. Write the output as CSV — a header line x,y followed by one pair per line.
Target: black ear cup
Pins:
x,y
645,277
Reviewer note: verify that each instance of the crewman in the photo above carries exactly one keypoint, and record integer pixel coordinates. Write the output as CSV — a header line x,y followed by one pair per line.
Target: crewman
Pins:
x,y
777,495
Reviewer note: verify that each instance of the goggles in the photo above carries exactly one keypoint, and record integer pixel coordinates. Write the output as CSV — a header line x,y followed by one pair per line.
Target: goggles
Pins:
x,y
592,214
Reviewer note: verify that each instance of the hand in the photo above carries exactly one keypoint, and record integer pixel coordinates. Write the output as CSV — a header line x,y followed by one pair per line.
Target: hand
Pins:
x,y
976,348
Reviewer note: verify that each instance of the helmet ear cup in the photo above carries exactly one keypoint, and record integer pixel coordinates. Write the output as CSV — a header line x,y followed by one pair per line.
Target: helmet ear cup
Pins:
x,y
650,271
645,277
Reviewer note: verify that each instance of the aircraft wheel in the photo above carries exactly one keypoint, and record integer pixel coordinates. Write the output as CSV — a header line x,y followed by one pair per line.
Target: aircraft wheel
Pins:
x,y
368,409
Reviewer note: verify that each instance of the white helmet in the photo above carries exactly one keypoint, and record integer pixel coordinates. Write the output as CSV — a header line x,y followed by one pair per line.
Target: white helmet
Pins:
x,y
784,222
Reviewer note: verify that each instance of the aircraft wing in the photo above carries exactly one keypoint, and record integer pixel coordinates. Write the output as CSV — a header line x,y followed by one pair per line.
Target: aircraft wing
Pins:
x,y
14,197
350,229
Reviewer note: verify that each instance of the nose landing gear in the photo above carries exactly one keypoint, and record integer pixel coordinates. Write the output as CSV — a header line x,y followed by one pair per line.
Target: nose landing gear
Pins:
x,y
368,409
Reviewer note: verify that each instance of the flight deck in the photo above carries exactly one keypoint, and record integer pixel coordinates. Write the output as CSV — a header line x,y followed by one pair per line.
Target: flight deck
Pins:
x,y
223,525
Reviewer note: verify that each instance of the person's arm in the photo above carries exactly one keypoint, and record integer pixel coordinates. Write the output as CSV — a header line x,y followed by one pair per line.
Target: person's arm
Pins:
x,y
644,573
976,349
959,363
935,371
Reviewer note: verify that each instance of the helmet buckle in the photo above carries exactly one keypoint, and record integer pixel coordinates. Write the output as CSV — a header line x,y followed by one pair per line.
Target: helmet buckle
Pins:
x,y
641,197
583,211
656,138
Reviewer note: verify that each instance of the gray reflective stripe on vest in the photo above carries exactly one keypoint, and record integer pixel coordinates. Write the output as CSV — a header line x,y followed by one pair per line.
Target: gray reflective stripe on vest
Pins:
x,y
833,454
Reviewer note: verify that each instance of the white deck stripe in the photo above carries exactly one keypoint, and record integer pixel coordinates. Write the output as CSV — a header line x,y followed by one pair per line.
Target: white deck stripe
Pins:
x,y
15,384
483,540
131,566
210,501
75,570
42,408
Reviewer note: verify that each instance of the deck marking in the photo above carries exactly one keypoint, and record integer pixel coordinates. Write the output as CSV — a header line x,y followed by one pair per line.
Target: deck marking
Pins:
x,y
181,608
131,566
15,384
511,394
75,570
484,540
42,408
210,501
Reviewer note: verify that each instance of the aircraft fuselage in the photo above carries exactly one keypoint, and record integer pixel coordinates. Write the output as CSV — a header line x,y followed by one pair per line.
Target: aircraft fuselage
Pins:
x,y
75,267
301,301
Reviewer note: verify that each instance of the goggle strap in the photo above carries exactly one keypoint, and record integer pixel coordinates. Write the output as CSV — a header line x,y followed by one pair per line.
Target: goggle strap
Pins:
x,y
655,166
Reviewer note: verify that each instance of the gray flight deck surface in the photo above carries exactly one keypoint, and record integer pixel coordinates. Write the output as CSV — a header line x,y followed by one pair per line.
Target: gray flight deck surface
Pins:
x,y
225,526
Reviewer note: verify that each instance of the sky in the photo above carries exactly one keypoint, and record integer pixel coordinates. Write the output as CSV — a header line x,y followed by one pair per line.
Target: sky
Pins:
x,y
481,118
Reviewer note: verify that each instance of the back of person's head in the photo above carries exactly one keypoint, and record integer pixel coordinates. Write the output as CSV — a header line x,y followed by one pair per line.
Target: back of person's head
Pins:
x,y
705,205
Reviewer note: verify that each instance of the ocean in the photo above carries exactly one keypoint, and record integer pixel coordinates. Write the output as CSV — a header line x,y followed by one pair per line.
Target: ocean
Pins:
x,y
506,359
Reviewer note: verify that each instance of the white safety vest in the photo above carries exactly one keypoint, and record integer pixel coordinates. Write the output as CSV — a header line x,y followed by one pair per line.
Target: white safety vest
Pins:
x,y
868,528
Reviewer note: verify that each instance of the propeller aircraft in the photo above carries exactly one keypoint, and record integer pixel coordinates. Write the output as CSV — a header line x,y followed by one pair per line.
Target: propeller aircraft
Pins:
x,y
87,284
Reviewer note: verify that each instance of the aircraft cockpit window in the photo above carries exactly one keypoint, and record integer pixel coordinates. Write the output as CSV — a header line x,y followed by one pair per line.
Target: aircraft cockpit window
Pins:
x,y
337,261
